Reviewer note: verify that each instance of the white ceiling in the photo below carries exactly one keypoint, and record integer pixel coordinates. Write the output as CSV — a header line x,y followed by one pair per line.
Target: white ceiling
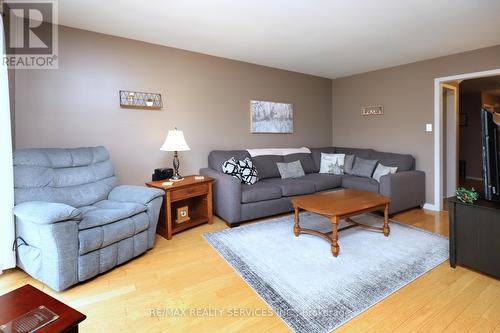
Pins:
x,y
329,38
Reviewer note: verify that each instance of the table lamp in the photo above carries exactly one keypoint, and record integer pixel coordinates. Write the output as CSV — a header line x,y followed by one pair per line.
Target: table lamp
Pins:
x,y
175,142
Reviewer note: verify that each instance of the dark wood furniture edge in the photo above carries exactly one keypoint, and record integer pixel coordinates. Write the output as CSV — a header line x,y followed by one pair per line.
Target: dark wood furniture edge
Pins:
x,y
26,298
451,232
474,230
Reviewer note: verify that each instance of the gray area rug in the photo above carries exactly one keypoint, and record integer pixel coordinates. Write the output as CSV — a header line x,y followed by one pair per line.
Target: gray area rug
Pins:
x,y
310,289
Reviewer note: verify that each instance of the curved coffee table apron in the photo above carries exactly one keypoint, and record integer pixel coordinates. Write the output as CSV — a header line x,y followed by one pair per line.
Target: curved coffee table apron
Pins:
x,y
339,205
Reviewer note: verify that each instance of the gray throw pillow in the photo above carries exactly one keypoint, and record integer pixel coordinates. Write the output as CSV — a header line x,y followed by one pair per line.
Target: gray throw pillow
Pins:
x,y
291,170
348,163
363,168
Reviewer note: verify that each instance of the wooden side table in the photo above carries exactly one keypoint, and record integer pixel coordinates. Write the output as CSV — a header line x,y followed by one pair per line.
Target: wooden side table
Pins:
x,y
195,195
22,300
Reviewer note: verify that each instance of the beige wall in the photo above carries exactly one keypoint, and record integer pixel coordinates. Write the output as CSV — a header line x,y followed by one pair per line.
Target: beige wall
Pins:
x,y
407,93
207,97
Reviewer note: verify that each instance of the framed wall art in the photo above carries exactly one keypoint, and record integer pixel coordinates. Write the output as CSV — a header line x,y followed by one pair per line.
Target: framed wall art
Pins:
x,y
271,117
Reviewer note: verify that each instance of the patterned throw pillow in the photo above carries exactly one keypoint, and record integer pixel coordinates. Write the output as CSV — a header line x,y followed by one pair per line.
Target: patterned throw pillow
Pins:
x,y
382,170
248,172
332,163
231,167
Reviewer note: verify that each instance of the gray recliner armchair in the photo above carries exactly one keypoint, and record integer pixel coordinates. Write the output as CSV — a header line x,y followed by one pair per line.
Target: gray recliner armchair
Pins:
x,y
72,220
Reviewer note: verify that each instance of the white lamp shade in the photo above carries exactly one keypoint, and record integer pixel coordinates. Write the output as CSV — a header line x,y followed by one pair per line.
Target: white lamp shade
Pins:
x,y
175,141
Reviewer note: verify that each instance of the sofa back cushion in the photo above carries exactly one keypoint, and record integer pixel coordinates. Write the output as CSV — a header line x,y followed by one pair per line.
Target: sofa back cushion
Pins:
x,y
359,152
266,165
305,159
403,162
217,157
76,177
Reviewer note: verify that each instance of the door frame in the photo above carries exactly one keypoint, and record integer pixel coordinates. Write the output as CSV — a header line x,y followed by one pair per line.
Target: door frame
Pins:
x,y
456,92
438,133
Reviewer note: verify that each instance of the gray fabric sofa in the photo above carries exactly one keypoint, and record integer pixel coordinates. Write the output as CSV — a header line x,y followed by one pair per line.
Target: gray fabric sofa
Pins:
x,y
236,202
72,220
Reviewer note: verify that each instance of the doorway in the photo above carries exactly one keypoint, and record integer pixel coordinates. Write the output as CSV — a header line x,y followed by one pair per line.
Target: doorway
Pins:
x,y
449,125
440,157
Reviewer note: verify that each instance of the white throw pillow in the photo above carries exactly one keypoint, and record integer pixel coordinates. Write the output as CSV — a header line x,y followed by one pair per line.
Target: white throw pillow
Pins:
x,y
382,170
332,163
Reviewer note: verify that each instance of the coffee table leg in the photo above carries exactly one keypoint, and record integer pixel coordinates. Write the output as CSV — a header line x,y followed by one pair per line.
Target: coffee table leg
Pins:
x,y
335,236
296,227
387,230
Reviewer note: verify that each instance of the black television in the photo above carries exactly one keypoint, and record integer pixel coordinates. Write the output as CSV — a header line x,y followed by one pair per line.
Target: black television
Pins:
x,y
491,156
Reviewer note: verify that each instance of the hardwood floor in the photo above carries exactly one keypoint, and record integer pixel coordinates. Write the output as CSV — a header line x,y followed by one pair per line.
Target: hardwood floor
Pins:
x,y
186,273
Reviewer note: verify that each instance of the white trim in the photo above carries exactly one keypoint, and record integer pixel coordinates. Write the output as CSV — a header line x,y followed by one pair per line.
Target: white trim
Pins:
x,y
429,206
444,182
438,135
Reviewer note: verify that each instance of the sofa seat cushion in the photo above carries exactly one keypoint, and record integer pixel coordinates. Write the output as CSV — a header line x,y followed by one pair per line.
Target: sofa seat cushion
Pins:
x,y
259,191
108,211
99,237
323,182
360,183
292,186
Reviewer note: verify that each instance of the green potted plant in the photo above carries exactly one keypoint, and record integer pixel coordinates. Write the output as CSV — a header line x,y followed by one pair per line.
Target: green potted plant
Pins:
x,y
467,196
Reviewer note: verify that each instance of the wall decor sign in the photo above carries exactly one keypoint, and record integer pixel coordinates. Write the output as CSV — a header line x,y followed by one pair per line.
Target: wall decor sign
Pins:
x,y
374,110
140,100
271,117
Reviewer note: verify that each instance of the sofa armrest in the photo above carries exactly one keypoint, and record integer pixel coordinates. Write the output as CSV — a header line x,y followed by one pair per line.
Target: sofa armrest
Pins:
x,y
226,195
406,189
133,193
48,252
40,212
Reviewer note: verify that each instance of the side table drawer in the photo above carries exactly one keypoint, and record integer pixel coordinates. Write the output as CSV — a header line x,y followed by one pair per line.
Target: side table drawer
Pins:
x,y
187,192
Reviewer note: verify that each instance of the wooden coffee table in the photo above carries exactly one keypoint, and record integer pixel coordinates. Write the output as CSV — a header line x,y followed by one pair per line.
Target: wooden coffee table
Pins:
x,y
338,205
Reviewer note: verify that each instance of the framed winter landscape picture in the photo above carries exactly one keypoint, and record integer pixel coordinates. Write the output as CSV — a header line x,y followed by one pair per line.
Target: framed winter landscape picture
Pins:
x,y
271,117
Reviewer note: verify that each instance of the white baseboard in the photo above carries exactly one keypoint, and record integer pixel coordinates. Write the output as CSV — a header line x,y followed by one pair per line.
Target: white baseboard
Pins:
x,y
429,206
